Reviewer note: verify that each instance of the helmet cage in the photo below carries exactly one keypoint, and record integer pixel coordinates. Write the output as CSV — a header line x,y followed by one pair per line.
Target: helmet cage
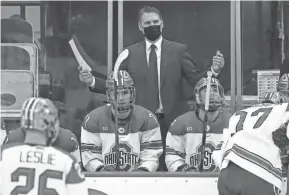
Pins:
x,y
125,91
273,97
217,97
125,98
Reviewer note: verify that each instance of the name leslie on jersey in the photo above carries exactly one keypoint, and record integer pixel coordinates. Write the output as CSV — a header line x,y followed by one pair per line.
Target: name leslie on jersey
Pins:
x,y
37,157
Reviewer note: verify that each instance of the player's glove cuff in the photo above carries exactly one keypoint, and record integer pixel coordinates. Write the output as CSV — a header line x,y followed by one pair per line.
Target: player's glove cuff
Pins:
x,y
183,168
285,160
280,138
285,156
99,168
140,169
107,168
191,169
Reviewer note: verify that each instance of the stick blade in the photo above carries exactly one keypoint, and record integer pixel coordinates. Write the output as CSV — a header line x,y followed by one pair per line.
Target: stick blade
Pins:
x,y
121,57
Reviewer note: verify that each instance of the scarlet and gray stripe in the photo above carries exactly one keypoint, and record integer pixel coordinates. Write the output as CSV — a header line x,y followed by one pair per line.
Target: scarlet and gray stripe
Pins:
x,y
32,111
153,145
27,110
91,148
171,151
256,159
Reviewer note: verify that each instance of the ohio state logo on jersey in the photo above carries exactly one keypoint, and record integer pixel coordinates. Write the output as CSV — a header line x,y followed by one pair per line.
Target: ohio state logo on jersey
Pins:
x,y
127,159
209,165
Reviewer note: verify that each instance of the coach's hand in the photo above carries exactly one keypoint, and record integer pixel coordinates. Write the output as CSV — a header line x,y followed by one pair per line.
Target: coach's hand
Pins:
x,y
85,76
218,62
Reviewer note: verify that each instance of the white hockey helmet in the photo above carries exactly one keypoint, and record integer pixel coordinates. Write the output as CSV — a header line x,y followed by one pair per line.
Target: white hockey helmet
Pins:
x,y
272,97
217,97
124,90
39,114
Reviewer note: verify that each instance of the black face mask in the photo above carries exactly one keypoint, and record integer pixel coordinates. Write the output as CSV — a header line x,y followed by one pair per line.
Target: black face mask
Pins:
x,y
152,33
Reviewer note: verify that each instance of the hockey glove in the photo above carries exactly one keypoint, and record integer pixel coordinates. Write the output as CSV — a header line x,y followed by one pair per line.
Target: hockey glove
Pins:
x,y
186,168
108,168
285,157
280,138
140,169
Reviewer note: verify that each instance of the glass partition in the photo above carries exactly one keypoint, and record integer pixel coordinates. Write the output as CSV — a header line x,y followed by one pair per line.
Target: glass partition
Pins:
x,y
8,11
13,58
33,16
264,47
203,26
88,21
54,23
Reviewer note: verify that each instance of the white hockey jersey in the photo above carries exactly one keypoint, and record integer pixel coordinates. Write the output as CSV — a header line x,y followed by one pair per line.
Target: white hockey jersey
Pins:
x,y
2,136
2,132
39,170
140,142
252,147
66,141
184,141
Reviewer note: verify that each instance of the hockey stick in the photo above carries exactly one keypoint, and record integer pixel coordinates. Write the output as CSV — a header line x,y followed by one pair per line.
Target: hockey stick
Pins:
x,y
122,56
116,124
287,188
78,51
207,103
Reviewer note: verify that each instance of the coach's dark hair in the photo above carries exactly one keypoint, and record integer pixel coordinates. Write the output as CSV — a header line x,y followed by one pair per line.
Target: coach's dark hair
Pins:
x,y
148,9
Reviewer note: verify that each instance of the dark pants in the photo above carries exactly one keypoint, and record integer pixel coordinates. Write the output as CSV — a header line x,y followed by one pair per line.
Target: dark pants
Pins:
x,y
234,180
164,130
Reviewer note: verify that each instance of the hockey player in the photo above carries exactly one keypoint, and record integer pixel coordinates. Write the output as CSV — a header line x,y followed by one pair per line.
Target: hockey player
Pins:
x,y
283,142
66,140
137,146
184,138
250,156
34,167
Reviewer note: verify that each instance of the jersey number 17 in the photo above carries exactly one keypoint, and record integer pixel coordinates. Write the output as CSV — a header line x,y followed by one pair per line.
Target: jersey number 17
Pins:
x,y
260,121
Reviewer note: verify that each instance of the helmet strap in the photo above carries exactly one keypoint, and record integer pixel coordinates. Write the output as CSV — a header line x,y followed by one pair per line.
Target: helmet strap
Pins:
x,y
212,115
121,121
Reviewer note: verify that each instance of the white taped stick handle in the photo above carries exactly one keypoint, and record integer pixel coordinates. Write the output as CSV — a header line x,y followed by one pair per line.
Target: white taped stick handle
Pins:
x,y
207,100
78,56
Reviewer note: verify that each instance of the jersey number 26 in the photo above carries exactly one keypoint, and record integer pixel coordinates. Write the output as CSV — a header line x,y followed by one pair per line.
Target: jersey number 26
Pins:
x,y
29,173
